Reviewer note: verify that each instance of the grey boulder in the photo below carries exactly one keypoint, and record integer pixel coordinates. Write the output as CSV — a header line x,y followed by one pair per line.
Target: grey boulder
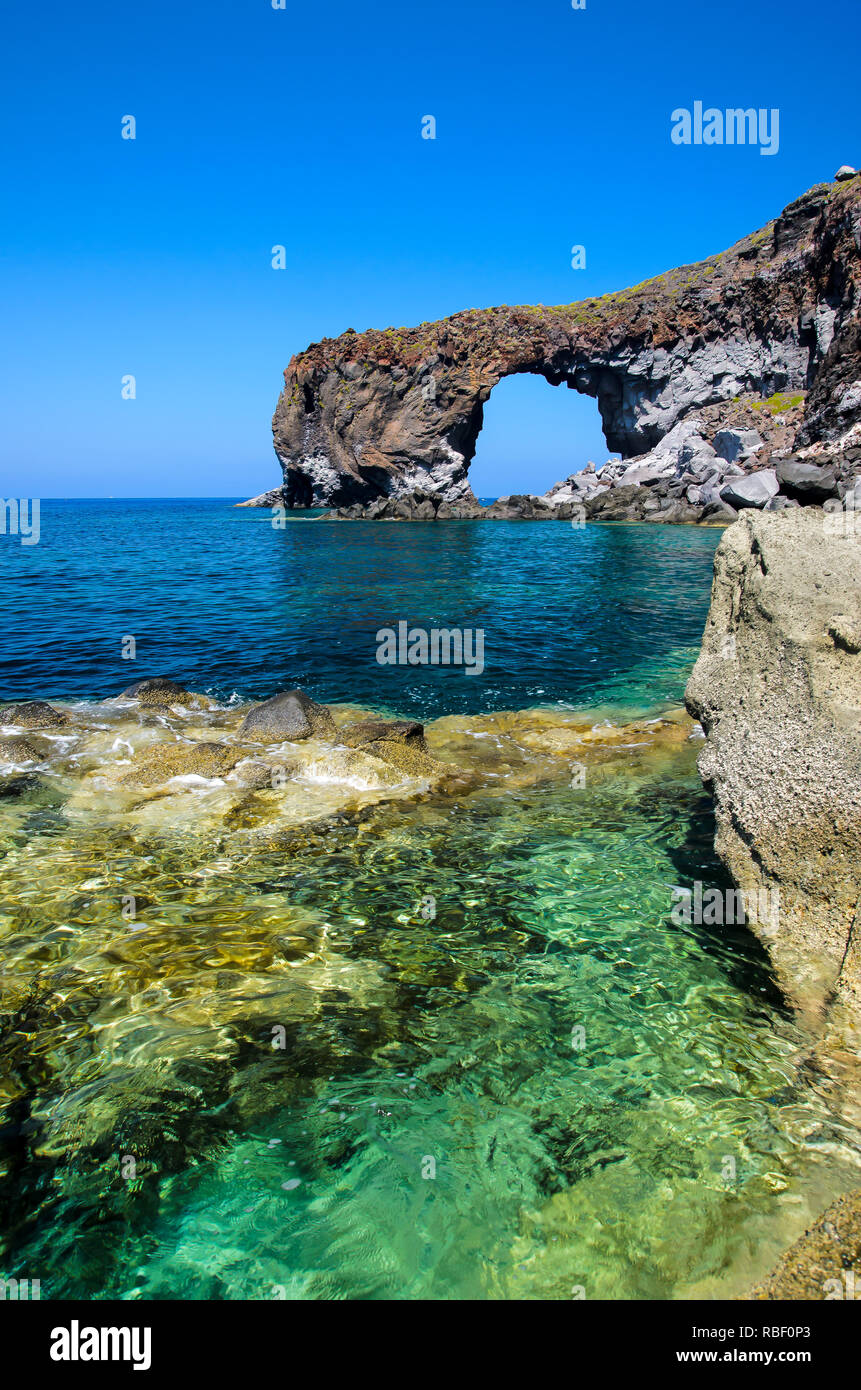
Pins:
x,y
291,715
806,482
752,490
733,445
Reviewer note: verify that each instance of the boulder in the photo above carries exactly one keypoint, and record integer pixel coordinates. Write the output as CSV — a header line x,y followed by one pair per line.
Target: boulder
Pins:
x,y
255,776
34,714
275,497
751,490
845,172
158,765
809,483
291,715
719,512
17,750
399,742
519,507
623,503
376,730
734,445
159,692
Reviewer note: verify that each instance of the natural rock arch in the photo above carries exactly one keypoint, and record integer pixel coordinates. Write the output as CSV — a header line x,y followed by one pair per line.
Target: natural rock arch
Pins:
x,y
393,412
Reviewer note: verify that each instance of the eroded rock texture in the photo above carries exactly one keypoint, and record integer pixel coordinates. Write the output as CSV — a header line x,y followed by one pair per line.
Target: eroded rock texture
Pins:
x,y
777,688
387,414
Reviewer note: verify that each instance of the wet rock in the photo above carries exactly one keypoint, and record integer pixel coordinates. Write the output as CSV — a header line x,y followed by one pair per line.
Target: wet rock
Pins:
x,y
808,483
360,768
399,742
291,715
825,1264
519,507
158,765
374,730
753,490
17,750
159,692
623,503
255,776
34,714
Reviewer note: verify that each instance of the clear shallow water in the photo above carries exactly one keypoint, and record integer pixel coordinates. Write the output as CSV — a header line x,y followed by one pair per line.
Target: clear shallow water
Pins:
x,y
672,1154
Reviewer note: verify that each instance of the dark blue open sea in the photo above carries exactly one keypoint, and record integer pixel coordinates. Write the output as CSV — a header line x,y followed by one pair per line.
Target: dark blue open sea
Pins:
x,y
317,1037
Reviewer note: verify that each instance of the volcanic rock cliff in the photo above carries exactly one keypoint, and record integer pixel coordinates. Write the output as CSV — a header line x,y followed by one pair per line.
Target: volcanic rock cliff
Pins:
x,y
370,417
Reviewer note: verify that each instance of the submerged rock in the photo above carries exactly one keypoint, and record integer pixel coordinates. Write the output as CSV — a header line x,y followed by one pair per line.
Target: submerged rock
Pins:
x,y
399,742
34,714
825,1264
291,715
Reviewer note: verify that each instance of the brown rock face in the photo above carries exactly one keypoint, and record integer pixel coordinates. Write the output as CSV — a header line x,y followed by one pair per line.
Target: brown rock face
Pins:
x,y
388,414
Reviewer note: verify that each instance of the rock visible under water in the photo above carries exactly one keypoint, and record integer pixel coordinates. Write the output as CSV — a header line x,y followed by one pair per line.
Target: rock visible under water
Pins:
x,y
825,1263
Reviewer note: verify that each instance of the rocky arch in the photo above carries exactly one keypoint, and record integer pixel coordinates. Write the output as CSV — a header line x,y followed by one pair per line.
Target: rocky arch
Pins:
x,y
392,412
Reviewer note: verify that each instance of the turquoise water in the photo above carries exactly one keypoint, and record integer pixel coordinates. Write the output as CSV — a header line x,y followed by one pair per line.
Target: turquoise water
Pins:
x,y
220,600
432,1123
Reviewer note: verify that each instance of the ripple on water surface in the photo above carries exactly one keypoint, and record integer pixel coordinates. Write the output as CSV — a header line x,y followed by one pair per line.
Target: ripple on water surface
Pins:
x,y
444,1046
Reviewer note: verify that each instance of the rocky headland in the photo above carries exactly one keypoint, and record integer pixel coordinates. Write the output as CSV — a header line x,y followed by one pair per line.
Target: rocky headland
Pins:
x,y
731,384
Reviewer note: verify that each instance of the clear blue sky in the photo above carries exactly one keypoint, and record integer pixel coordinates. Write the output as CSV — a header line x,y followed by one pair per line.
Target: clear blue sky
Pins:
x,y
301,126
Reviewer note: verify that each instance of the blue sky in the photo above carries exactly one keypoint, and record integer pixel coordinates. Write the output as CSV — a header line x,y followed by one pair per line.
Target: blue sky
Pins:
x,y
301,127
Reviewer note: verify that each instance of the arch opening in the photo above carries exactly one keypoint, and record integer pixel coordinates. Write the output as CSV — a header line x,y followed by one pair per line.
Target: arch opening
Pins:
x,y
534,435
